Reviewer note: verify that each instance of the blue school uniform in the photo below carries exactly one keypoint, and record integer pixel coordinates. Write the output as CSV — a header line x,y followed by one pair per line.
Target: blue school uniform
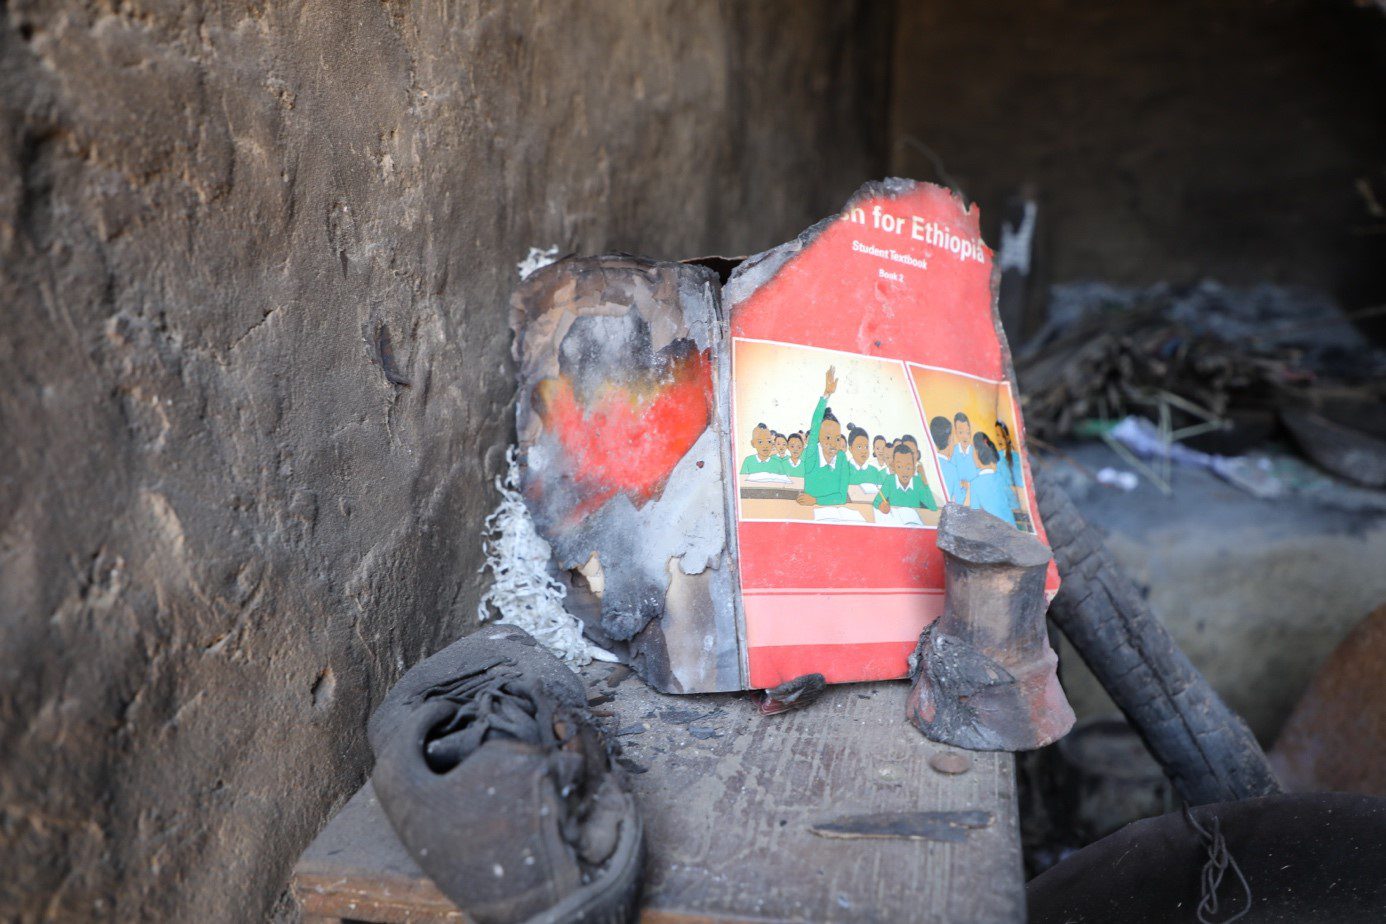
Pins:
x,y
1012,474
964,464
990,492
951,487
1015,472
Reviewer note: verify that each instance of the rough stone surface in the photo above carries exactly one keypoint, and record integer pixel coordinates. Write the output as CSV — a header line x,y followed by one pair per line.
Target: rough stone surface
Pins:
x,y
228,234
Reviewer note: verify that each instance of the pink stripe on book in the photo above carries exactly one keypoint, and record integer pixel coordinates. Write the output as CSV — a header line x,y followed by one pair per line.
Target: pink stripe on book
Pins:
x,y
837,663
837,618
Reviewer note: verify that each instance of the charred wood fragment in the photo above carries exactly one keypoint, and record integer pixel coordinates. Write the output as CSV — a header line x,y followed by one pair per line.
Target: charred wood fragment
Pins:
x,y
948,827
984,672
1204,747
792,694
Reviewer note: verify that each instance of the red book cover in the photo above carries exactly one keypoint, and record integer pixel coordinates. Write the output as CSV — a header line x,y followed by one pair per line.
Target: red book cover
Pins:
x,y
870,384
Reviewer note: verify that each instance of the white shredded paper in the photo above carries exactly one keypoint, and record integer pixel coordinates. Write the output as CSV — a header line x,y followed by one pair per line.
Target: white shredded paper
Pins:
x,y
523,592
1017,242
1118,478
537,259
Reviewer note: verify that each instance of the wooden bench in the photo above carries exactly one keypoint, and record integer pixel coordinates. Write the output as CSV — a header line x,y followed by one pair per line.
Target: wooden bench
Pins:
x,y
729,799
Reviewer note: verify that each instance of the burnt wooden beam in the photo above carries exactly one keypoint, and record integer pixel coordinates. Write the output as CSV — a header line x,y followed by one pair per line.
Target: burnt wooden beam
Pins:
x,y
1205,748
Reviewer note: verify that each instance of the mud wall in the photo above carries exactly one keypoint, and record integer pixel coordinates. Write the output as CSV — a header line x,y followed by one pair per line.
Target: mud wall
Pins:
x,y
1166,141
254,263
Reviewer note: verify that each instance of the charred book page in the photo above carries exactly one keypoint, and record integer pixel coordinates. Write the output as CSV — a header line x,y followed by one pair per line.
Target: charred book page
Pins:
x,y
622,450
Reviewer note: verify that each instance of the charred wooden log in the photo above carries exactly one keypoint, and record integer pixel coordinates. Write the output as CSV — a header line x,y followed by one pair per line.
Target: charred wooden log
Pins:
x,y
1204,747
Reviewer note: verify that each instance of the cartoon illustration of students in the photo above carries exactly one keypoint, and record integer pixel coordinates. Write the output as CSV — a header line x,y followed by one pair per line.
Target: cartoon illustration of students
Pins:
x,y
859,467
825,469
913,444
964,464
763,459
880,454
903,487
1008,467
793,463
987,491
781,445
941,432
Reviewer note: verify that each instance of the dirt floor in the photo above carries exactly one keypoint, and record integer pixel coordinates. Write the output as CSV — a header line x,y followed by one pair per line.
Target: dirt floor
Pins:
x,y
1257,592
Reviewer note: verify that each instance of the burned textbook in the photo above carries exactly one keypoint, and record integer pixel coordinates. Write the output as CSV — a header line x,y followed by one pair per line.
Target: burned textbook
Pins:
x,y
742,482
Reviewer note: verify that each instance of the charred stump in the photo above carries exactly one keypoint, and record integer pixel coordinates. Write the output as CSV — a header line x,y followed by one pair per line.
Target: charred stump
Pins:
x,y
985,675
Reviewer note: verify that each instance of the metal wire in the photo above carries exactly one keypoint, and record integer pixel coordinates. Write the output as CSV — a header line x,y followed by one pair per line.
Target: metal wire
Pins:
x,y
1219,862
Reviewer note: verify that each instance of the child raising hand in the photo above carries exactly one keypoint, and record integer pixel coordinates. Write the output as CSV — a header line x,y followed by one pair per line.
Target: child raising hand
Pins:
x,y
825,468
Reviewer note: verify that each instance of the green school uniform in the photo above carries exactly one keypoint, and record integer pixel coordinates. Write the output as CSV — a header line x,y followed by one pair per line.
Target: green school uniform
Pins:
x,y
868,475
751,465
916,495
825,484
792,468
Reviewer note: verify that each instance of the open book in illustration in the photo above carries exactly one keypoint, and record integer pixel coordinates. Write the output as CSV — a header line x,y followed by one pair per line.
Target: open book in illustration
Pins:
x,y
837,515
901,516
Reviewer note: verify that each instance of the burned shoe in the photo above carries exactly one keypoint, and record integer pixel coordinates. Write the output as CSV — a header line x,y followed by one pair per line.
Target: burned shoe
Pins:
x,y
491,770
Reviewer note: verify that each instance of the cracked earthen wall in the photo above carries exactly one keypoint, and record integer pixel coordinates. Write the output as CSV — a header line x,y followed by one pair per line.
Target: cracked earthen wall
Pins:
x,y
224,531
